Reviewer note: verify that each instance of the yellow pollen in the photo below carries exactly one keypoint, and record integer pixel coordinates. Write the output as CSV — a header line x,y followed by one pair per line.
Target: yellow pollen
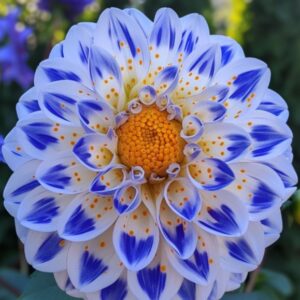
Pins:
x,y
149,140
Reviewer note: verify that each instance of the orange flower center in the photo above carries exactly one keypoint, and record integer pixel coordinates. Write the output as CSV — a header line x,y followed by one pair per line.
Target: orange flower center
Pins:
x,y
149,140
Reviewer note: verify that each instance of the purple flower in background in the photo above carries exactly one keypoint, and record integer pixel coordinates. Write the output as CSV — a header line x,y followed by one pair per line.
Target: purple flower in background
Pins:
x,y
13,54
1,144
72,8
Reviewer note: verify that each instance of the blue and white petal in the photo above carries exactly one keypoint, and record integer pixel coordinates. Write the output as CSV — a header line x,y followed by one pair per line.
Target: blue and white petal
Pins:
x,y
270,137
158,281
247,80
28,103
77,45
14,155
59,98
166,81
96,115
223,214
109,181
87,217
143,21
202,266
64,174
136,238
57,50
195,31
118,290
274,104
260,188
192,129
95,151
123,38
46,251
243,254
20,184
127,198
230,49
209,174
164,40
187,291
21,231
94,265
106,77
42,137
56,69
224,141
41,210
198,70
182,197
179,233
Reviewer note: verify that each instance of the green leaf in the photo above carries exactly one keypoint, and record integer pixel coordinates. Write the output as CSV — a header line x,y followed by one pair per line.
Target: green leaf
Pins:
x,y
256,295
43,286
278,281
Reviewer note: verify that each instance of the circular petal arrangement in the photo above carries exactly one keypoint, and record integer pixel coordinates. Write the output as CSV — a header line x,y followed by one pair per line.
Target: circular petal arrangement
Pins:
x,y
150,160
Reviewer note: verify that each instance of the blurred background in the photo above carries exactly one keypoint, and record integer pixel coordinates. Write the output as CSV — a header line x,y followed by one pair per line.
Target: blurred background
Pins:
x,y
267,29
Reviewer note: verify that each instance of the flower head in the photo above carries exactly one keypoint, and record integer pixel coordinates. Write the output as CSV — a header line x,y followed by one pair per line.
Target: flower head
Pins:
x,y
72,8
150,160
13,55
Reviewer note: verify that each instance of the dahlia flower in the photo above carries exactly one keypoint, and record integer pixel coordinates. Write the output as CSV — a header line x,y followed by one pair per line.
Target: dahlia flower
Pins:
x,y
150,160
13,50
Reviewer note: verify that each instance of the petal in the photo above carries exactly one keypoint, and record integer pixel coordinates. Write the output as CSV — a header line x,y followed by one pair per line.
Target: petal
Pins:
x,y
201,267
164,39
87,217
56,69
274,104
109,181
41,210
272,226
20,184
57,50
187,291
28,103
224,141
179,234
195,31
41,137
258,186
141,19
166,80
158,281
183,198
119,34
235,280
206,111
223,213
14,155
95,151
94,265
63,174
230,49
270,137
136,238
96,115
243,254
106,77
198,70
117,291
209,174
46,252
58,101
77,45
127,198
247,79
192,129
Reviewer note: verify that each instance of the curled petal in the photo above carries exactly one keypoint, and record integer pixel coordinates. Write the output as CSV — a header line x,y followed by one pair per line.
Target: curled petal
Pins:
x,y
147,95
109,181
209,174
137,174
88,216
192,129
136,238
94,265
183,198
191,151
223,213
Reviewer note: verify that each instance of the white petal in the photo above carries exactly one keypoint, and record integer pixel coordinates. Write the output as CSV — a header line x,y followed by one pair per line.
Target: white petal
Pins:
x,y
136,238
93,265
46,252
141,19
87,217
57,50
